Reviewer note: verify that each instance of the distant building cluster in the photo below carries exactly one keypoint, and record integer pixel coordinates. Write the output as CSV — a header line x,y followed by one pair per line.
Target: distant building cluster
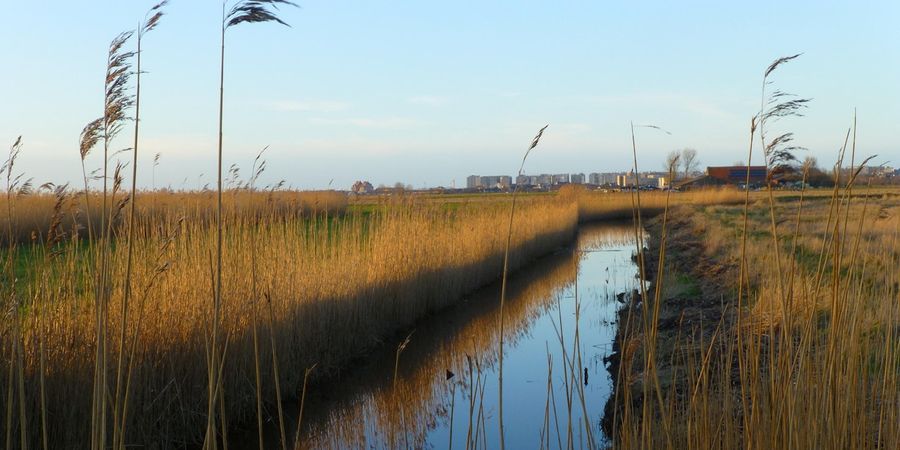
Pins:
x,y
879,172
713,176
547,181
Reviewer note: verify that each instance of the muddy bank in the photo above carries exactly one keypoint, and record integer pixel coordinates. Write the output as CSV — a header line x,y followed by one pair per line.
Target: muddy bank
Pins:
x,y
696,296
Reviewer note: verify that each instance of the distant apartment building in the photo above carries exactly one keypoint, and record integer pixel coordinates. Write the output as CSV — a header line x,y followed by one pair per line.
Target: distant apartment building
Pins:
x,y
488,181
625,180
546,180
496,181
560,178
603,178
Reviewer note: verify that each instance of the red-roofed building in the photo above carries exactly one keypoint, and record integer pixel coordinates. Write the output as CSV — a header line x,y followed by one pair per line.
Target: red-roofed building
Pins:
x,y
737,174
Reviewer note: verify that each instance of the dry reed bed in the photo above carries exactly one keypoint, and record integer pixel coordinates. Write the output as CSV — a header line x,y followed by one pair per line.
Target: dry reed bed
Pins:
x,y
594,206
33,214
317,294
809,358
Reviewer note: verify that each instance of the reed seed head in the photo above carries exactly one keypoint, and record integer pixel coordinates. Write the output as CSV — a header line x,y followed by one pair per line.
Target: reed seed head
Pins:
x,y
255,11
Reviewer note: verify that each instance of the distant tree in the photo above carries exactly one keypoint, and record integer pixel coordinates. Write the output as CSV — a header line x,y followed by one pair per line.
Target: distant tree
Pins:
x,y
362,187
810,162
671,164
815,176
689,161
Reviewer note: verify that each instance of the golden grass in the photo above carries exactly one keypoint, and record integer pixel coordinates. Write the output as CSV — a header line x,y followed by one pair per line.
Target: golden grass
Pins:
x,y
594,206
810,358
33,214
327,290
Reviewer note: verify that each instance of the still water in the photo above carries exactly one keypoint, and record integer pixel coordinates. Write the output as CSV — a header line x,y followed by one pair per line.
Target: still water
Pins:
x,y
445,392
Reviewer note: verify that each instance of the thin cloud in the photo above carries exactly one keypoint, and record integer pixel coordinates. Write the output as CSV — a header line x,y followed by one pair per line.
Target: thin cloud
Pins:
x,y
320,106
367,122
689,103
428,100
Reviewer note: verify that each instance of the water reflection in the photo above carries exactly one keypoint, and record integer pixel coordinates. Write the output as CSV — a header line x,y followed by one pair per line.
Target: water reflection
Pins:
x,y
445,392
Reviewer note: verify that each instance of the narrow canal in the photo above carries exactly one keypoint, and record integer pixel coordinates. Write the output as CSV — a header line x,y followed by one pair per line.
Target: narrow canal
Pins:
x,y
444,394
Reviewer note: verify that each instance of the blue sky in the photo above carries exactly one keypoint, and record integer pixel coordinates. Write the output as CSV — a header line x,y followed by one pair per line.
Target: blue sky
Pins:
x,y
426,93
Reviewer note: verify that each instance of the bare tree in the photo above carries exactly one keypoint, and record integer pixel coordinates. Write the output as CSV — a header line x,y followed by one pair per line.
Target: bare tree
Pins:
x,y
810,162
689,161
671,164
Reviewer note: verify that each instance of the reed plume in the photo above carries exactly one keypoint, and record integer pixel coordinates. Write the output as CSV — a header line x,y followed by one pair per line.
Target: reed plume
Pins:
x,y
244,11
512,212
120,405
779,152
117,102
12,303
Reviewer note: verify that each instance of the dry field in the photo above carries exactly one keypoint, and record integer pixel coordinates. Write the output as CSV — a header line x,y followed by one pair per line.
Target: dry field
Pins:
x,y
802,354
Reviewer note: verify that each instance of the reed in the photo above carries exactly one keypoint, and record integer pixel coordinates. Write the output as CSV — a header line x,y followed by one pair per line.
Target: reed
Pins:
x,y
600,206
34,209
509,233
800,352
243,11
120,402
336,289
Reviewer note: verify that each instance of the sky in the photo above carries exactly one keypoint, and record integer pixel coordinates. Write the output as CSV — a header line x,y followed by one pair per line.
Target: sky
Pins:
x,y
426,93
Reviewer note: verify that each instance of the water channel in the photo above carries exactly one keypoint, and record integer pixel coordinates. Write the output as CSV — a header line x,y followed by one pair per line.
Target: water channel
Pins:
x,y
445,392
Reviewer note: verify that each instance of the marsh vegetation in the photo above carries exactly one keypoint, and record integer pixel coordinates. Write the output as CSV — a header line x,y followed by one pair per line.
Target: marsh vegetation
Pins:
x,y
165,319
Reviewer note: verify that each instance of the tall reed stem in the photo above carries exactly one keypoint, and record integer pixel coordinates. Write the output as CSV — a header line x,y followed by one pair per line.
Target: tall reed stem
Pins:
x,y
509,230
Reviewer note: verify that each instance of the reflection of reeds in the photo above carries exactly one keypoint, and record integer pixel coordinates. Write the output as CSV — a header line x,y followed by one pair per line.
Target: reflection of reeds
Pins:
x,y
370,403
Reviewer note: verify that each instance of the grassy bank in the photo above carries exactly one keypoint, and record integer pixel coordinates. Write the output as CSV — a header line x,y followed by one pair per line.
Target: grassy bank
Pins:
x,y
597,206
801,354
